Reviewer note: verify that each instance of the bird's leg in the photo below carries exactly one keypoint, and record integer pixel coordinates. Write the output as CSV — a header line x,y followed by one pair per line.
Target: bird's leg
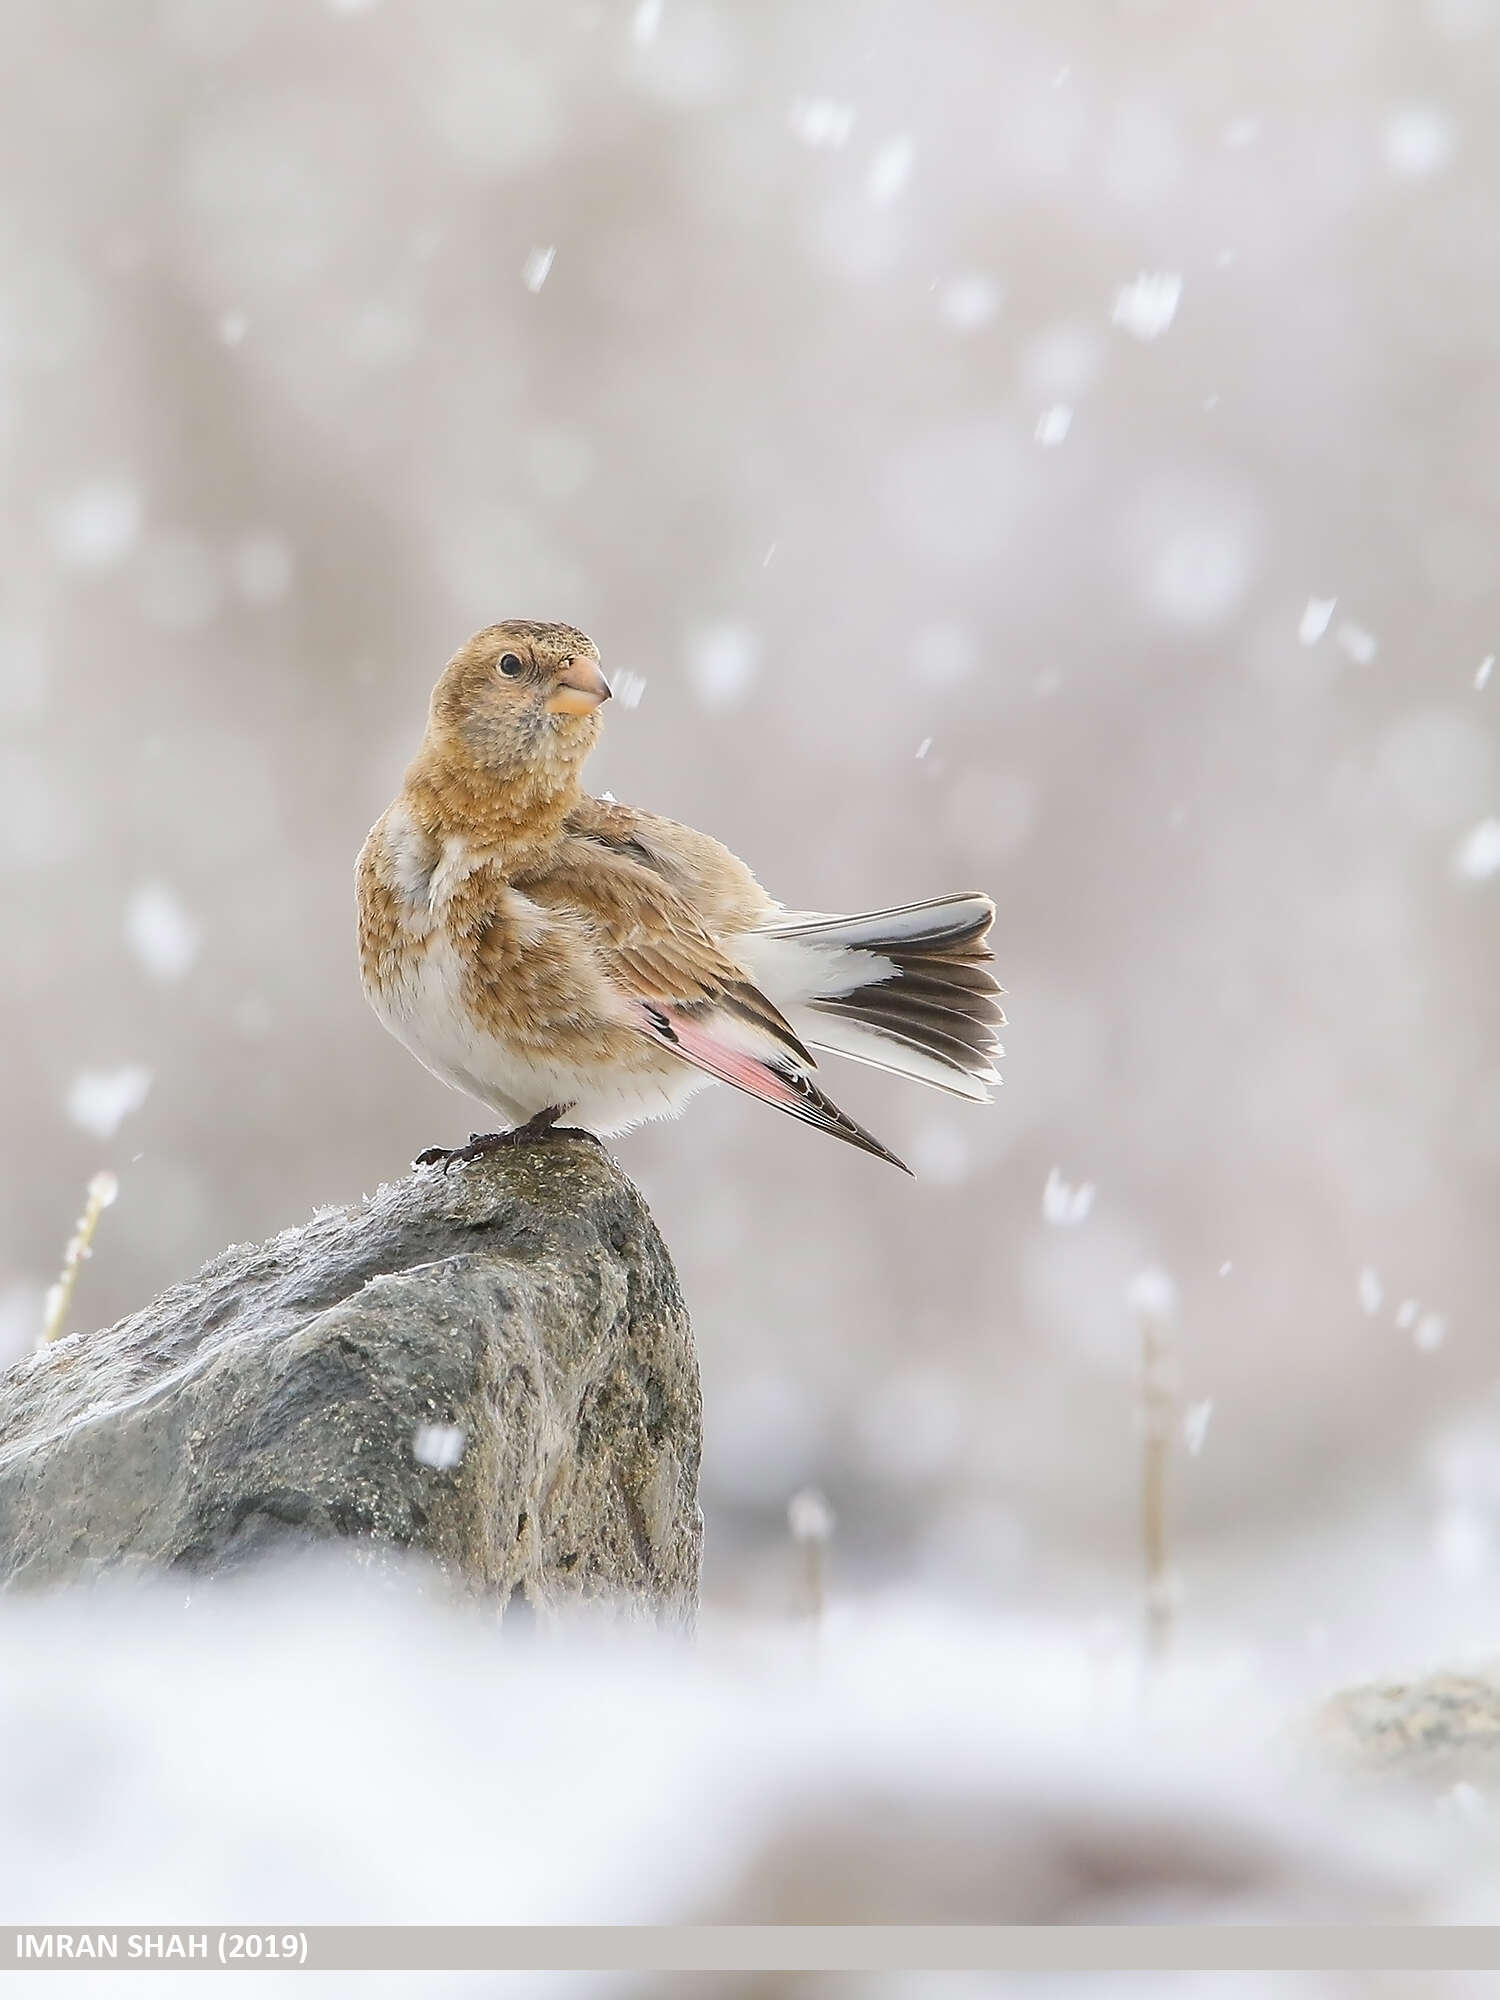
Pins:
x,y
540,1126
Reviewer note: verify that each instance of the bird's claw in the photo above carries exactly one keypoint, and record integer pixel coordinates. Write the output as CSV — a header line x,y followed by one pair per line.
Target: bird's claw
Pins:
x,y
542,1126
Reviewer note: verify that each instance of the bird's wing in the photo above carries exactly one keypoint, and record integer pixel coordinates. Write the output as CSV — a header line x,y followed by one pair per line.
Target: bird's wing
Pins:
x,y
681,988
715,884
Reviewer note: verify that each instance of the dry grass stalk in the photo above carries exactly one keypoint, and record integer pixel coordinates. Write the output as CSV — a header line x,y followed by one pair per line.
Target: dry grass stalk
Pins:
x,y
102,1191
1153,1305
810,1519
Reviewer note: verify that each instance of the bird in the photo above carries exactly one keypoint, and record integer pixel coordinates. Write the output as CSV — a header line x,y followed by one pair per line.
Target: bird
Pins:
x,y
556,955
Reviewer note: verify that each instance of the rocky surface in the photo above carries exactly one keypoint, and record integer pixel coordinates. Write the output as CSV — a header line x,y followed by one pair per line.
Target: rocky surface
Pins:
x,y
492,1366
1439,1729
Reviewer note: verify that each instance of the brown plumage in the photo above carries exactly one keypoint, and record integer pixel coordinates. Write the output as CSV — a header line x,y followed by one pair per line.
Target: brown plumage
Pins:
x,y
551,953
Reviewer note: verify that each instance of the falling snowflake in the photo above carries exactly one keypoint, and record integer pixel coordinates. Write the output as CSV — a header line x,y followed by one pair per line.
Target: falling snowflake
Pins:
x,y
940,1153
970,301
1419,141
100,1100
1064,1204
1371,1291
722,663
819,122
1195,1424
890,169
1357,642
943,655
1148,306
534,271
628,688
1477,857
1461,1542
809,1516
1430,1332
97,526
160,932
439,1445
1315,619
1053,425
1151,1294
1483,671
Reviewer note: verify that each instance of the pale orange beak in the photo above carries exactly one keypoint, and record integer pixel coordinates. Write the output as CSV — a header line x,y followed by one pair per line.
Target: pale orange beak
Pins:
x,y
580,691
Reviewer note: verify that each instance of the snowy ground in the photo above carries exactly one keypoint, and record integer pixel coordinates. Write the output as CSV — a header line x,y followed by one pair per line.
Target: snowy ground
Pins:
x,y
329,1745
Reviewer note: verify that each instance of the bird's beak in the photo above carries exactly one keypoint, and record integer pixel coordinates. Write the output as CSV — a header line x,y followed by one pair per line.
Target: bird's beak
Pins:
x,y
579,691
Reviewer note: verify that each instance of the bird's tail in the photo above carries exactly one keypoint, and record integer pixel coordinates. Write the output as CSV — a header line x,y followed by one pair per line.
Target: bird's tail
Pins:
x,y
906,990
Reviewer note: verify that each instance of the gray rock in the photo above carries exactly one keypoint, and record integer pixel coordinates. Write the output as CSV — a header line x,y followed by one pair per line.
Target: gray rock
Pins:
x,y
491,1366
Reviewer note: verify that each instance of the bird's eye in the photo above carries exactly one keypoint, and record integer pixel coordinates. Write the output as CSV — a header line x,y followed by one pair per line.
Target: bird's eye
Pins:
x,y
510,665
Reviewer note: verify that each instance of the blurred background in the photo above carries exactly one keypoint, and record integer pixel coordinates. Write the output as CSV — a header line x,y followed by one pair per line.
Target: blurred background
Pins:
x,y
1048,449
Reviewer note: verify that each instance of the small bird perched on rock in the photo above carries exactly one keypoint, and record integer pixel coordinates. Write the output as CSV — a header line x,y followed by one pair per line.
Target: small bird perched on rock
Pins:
x,y
558,955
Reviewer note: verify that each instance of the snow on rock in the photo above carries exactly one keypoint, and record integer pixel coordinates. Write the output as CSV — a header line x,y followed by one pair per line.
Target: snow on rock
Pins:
x,y
395,1376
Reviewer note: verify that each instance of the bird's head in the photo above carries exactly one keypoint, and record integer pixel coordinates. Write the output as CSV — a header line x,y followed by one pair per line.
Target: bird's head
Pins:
x,y
521,697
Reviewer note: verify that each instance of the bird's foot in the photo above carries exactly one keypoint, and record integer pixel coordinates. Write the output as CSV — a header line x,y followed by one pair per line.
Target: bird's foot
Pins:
x,y
542,1126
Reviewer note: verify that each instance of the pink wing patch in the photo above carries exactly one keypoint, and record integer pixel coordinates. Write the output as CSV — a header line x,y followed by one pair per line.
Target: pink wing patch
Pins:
x,y
776,1082
692,1041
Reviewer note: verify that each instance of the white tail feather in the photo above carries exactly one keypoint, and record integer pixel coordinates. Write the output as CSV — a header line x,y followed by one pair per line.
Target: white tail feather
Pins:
x,y
841,983
830,1034
876,929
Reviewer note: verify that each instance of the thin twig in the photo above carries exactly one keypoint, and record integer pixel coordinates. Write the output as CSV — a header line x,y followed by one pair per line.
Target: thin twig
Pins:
x,y
103,1189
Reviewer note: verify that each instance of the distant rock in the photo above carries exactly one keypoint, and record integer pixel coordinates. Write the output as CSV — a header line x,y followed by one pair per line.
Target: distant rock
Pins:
x,y
491,1366
1442,1729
